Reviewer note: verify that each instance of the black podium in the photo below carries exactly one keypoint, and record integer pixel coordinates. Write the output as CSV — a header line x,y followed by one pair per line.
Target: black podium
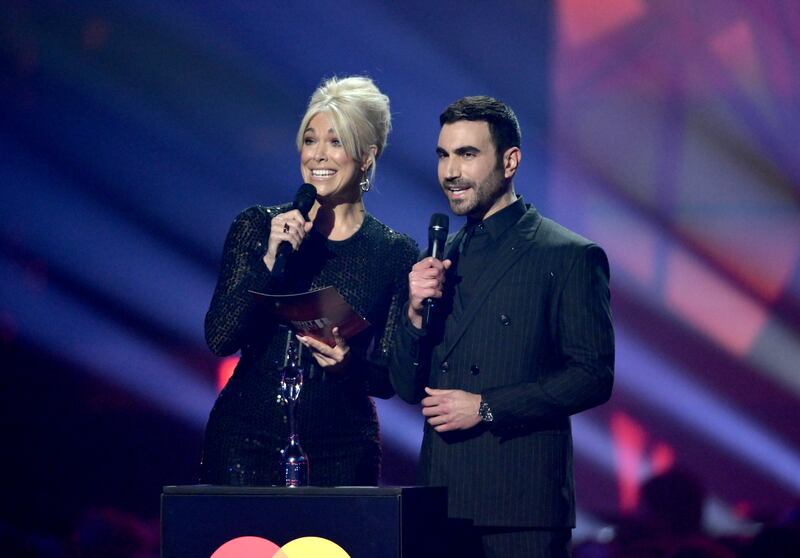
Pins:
x,y
367,522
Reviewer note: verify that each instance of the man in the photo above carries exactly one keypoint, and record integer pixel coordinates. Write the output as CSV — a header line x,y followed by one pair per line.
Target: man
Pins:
x,y
521,338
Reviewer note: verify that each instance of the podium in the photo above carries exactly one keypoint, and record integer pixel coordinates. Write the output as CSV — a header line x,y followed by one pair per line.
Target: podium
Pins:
x,y
365,522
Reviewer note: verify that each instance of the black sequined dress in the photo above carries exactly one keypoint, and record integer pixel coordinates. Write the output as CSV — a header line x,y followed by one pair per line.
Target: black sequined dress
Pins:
x,y
336,418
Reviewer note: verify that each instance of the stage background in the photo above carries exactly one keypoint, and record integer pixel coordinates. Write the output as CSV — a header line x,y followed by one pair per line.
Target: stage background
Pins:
x,y
132,133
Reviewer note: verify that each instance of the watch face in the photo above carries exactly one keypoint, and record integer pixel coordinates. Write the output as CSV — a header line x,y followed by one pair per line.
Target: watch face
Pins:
x,y
485,412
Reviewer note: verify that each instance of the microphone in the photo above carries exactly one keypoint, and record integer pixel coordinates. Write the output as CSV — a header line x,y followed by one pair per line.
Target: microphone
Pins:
x,y
303,201
437,236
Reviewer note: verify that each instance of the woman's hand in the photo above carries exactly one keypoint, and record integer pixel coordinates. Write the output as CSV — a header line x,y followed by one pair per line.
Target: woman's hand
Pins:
x,y
290,227
332,359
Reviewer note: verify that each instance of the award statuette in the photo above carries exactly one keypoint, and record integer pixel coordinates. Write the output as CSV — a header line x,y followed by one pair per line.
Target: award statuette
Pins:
x,y
295,461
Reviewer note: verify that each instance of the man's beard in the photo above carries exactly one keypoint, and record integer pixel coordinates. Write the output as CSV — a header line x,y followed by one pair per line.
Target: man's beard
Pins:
x,y
485,193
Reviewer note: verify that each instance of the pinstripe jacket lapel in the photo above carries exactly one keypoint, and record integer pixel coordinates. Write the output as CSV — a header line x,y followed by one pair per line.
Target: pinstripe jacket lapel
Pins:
x,y
452,246
520,239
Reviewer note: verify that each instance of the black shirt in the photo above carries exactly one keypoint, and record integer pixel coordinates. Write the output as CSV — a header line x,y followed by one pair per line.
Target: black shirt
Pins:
x,y
481,240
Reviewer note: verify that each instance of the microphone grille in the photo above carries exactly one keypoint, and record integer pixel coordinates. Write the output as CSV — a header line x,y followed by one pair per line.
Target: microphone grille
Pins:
x,y
439,222
305,197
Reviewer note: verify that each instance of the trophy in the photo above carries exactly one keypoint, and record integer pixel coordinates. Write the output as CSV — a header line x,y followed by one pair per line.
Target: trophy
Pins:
x,y
295,460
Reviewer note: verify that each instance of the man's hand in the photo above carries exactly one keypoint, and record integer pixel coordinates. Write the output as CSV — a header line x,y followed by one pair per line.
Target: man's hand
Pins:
x,y
332,359
426,280
451,409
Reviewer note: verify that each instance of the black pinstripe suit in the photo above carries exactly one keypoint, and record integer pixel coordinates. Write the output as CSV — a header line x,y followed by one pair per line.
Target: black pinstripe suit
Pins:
x,y
536,340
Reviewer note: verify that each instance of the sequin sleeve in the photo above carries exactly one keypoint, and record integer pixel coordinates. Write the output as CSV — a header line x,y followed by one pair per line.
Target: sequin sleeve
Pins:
x,y
242,269
404,253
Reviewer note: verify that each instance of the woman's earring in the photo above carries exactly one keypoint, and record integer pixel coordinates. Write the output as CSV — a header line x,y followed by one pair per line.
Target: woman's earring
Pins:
x,y
365,184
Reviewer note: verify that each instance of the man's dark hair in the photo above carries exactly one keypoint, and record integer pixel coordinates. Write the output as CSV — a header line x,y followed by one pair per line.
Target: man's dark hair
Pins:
x,y
503,124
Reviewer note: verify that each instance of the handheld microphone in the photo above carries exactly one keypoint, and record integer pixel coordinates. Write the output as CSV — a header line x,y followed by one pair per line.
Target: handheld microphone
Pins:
x,y
437,236
303,201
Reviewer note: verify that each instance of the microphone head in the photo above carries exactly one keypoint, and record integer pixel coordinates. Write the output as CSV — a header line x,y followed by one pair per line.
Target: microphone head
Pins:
x,y
437,233
439,223
305,197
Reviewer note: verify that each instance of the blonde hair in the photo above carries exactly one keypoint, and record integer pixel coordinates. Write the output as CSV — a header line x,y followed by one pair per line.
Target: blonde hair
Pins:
x,y
360,115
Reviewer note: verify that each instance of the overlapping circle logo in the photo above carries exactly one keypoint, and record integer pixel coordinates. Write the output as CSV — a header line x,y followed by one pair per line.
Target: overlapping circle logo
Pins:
x,y
258,547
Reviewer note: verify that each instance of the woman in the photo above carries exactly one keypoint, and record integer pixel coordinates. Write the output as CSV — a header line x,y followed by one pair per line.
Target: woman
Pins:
x,y
340,138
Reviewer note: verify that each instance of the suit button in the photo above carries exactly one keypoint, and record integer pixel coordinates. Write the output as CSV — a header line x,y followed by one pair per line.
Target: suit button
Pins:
x,y
474,370
505,320
444,367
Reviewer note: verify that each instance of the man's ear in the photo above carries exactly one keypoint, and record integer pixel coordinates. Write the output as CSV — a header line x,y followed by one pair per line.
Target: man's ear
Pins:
x,y
511,159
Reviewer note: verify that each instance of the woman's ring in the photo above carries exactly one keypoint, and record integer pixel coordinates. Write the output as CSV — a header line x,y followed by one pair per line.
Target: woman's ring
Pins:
x,y
286,227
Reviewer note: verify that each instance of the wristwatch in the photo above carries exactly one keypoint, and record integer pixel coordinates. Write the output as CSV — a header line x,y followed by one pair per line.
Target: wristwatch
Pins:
x,y
485,412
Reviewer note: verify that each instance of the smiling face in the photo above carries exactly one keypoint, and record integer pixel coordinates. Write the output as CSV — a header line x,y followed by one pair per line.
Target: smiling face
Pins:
x,y
469,171
325,163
